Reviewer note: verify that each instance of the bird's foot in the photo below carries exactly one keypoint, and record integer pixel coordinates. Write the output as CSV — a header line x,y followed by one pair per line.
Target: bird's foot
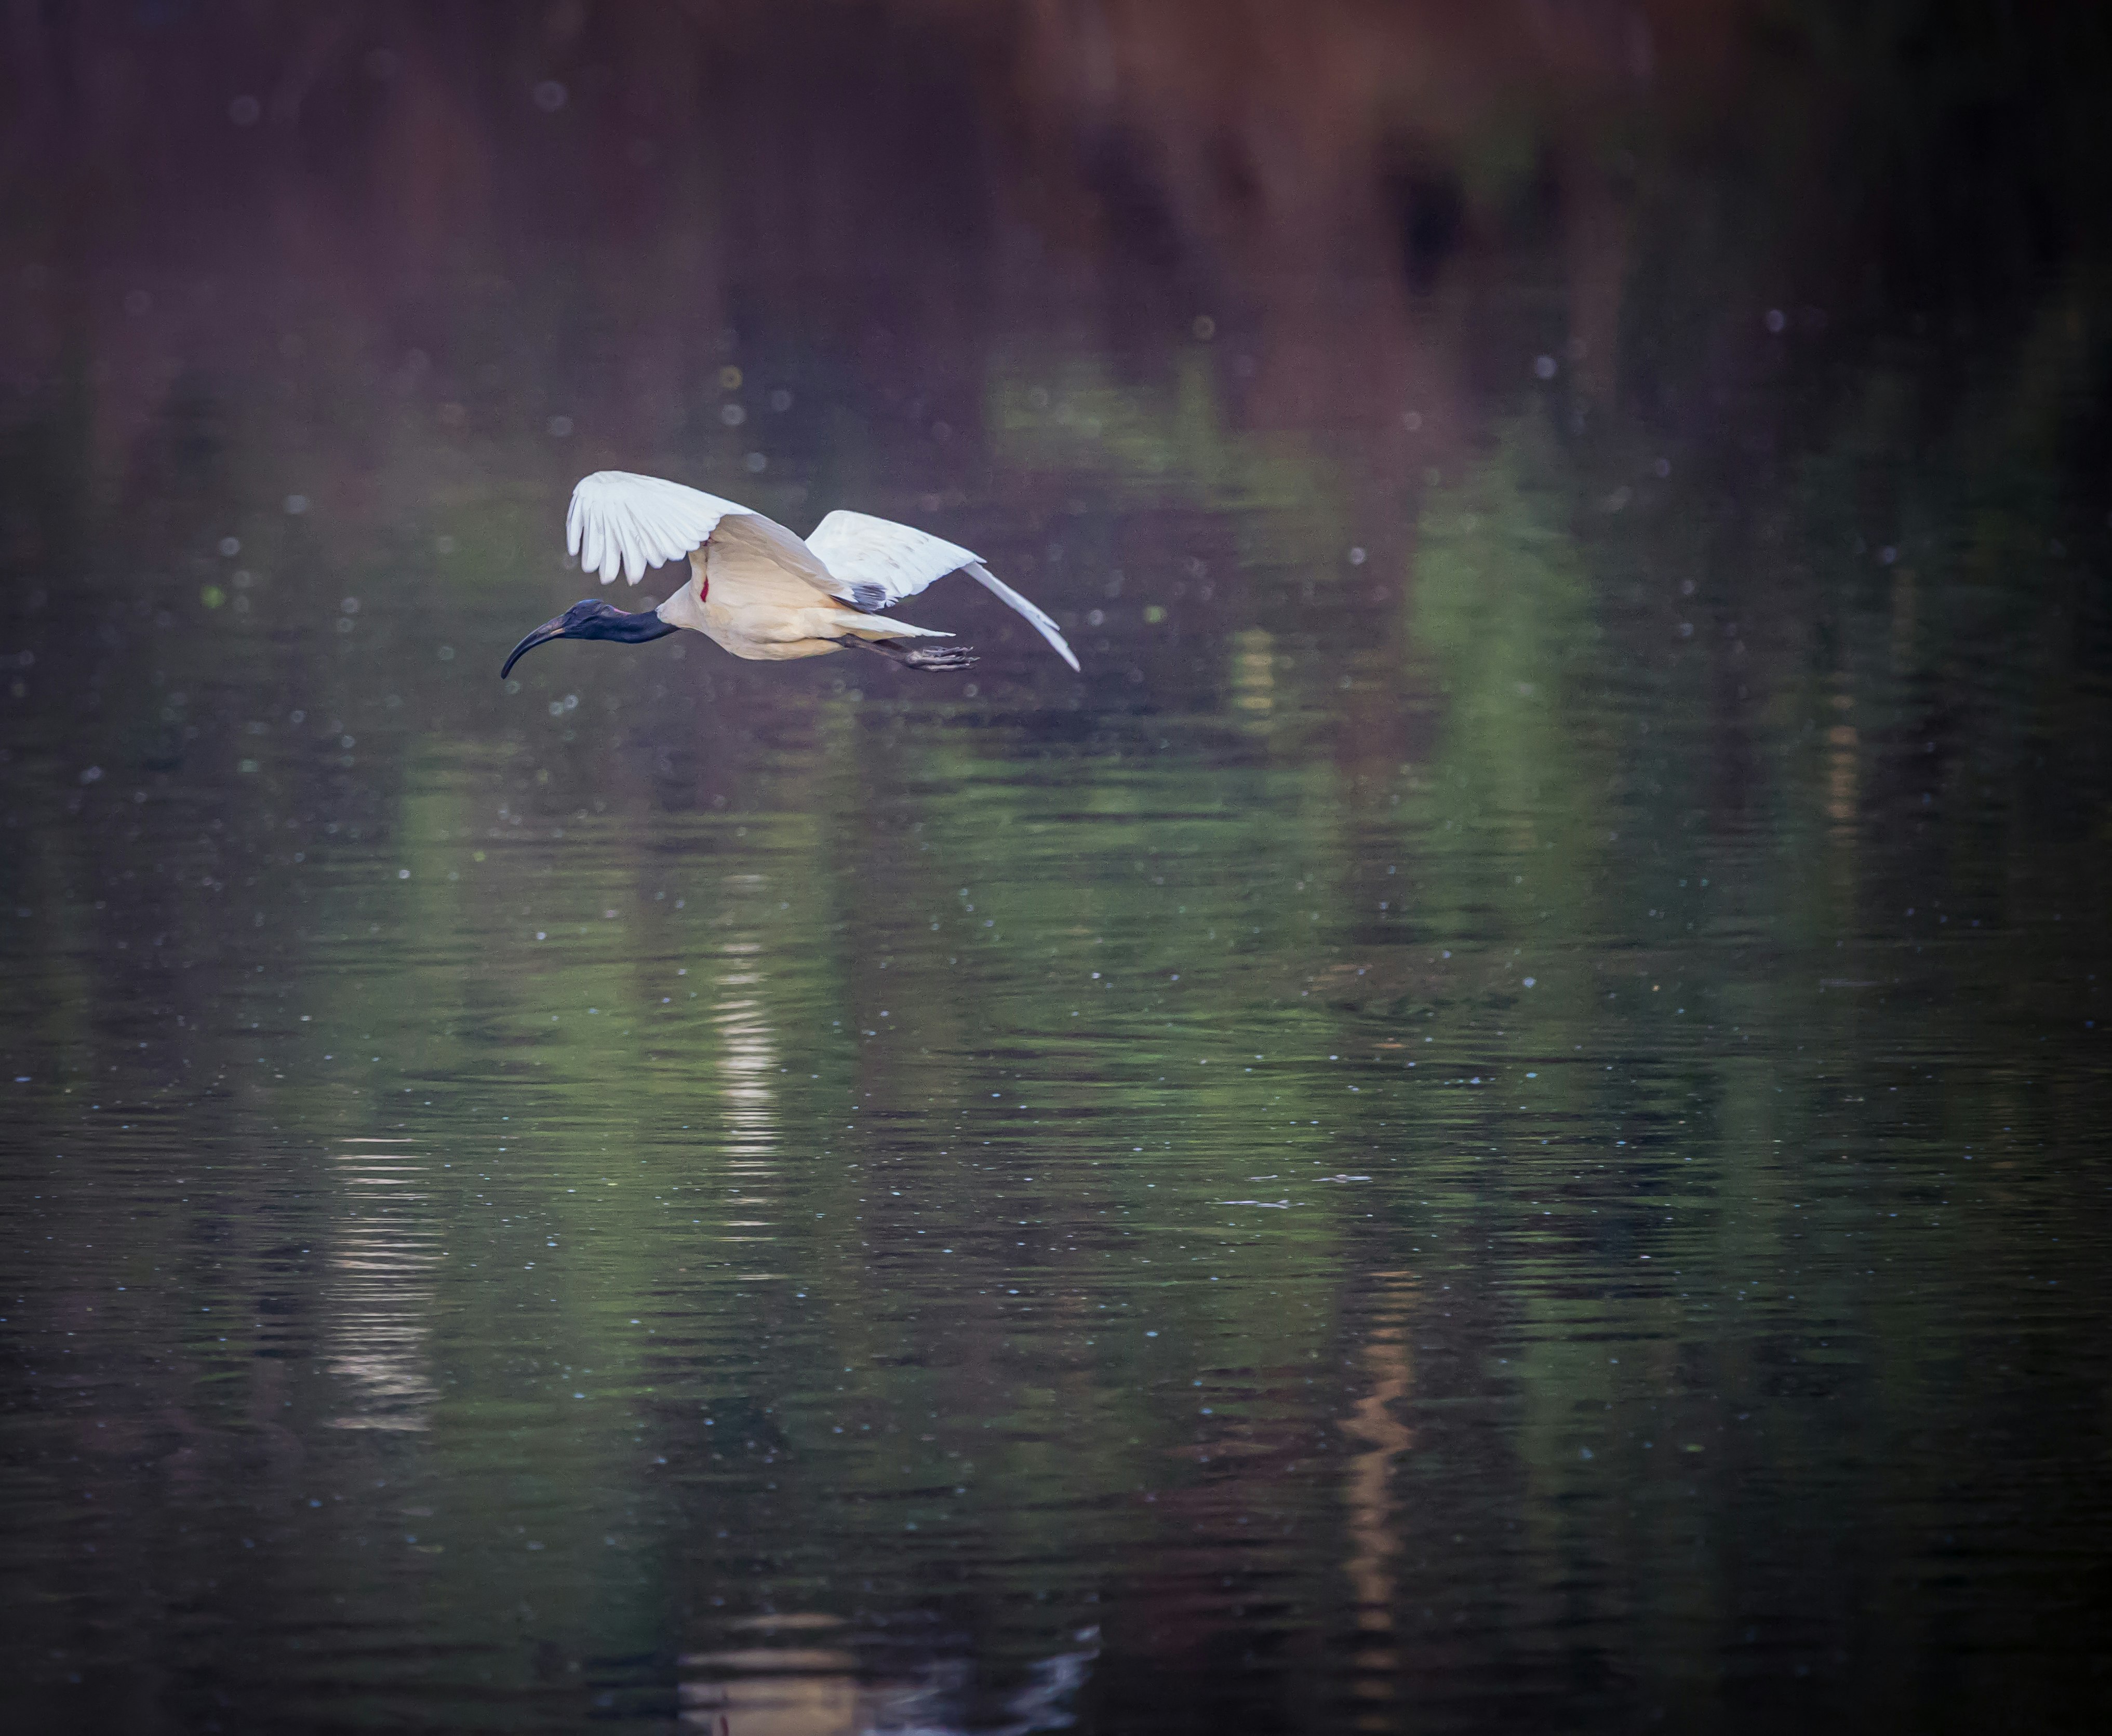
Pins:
x,y
913,655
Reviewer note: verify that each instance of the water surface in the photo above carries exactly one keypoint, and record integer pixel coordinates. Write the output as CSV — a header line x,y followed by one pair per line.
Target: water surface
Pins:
x,y
1496,1120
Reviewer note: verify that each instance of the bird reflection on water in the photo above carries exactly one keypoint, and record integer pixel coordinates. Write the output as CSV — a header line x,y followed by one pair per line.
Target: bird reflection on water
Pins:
x,y
780,1683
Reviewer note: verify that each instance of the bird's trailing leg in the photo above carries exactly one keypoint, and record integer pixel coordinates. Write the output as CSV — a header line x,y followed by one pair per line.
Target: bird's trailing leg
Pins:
x,y
913,655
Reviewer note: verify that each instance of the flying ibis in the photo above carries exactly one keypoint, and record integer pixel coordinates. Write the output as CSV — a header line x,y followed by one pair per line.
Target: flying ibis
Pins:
x,y
753,586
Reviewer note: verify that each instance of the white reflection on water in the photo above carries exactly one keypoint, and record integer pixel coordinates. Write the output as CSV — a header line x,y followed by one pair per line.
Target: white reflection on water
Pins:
x,y
378,1300
1254,671
747,1051
1375,1527
746,1055
817,1690
803,1692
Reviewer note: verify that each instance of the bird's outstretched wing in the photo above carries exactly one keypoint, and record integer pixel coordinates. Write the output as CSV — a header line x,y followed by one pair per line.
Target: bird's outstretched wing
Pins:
x,y
880,562
622,521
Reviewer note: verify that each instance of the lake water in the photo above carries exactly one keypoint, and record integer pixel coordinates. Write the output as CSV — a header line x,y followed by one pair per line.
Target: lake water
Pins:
x,y
1496,1120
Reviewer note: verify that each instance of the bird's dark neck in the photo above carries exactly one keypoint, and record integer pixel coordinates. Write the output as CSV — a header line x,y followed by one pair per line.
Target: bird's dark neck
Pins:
x,y
633,630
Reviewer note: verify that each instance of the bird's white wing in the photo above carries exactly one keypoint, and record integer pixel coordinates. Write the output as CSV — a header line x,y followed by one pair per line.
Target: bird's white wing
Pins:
x,y
622,522
880,562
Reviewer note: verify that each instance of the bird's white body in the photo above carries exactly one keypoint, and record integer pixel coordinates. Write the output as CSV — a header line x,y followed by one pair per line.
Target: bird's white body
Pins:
x,y
755,588
758,590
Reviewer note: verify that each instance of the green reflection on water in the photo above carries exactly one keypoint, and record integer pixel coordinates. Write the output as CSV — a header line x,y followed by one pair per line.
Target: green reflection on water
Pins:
x,y
1446,1090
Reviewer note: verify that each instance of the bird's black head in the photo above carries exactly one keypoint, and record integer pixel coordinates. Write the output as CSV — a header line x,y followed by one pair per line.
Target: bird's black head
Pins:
x,y
590,618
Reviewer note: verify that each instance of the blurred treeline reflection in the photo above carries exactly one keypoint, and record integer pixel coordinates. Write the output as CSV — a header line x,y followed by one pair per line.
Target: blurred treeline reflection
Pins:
x,y
1507,469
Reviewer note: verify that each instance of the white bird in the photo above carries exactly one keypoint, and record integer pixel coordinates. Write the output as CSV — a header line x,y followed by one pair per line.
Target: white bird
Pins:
x,y
755,588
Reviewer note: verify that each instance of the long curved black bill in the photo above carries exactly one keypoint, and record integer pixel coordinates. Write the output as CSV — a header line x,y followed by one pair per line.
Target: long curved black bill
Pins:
x,y
552,629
